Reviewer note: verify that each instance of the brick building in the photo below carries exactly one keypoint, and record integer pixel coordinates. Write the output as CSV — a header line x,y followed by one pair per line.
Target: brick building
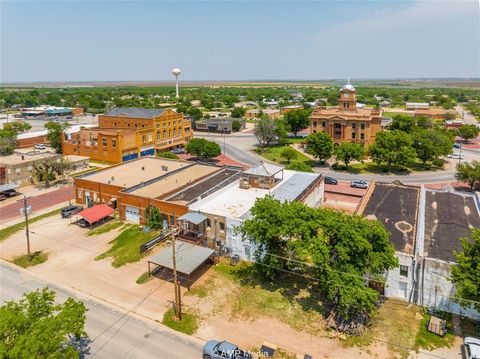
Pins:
x,y
347,122
125,133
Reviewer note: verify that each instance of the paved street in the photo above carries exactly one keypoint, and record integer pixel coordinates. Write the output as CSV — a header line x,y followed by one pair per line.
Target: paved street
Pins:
x,y
39,202
239,147
112,333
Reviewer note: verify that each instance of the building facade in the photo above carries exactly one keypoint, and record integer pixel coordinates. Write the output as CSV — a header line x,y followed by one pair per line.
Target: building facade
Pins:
x,y
124,134
347,122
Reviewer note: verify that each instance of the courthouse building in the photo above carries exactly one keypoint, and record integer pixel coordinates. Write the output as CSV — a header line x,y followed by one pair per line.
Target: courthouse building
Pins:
x,y
347,122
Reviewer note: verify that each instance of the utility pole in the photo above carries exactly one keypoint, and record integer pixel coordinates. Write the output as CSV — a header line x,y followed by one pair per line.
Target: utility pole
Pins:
x,y
178,306
25,211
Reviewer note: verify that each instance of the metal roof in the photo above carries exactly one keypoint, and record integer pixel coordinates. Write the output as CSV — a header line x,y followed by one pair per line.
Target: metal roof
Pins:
x,y
264,169
135,112
189,257
96,213
193,217
294,186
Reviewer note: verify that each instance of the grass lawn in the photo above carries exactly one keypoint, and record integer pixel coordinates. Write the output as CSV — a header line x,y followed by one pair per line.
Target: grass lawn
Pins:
x,y
107,227
126,246
371,167
29,261
249,297
188,324
144,278
429,341
395,324
8,231
274,154
202,290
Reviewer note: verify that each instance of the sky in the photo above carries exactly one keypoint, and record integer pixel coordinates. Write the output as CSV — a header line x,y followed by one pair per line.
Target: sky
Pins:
x,y
237,40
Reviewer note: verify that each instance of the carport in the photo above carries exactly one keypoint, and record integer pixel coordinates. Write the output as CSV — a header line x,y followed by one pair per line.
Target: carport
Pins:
x,y
190,258
96,214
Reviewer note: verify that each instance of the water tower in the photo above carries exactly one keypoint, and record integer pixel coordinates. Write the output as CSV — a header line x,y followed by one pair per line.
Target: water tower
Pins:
x,y
176,72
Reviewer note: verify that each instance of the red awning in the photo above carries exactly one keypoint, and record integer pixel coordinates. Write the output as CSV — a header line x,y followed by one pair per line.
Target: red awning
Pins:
x,y
96,213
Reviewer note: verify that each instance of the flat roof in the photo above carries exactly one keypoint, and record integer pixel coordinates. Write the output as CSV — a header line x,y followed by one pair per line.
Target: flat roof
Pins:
x,y
132,173
448,217
188,257
168,183
294,186
206,186
135,112
396,207
233,201
16,158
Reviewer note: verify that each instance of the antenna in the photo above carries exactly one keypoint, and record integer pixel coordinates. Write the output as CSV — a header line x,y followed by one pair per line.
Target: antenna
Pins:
x,y
348,80
176,72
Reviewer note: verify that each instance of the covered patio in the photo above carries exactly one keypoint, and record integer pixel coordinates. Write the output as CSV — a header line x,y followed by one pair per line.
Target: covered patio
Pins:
x,y
190,260
97,214
192,226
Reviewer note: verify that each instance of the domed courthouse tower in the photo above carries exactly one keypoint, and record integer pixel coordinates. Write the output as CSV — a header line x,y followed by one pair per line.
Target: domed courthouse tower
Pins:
x,y
348,121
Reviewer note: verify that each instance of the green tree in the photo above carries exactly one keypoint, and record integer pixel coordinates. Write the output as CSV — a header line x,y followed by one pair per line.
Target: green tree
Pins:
x,y
203,148
403,123
154,217
36,327
337,249
393,148
297,120
48,169
468,132
469,172
8,136
167,154
466,271
194,112
265,131
289,154
319,145
236,125
238,112
348,151
55,132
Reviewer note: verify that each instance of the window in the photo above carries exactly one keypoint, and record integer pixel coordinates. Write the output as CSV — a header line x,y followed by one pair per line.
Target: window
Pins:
x,y
104,142
362,126
17,170
362,136
150,137
354,125
403,271
114,143
174,132
164,134
9,171
144,138
353,135
324,124
314,123
222,226
158,136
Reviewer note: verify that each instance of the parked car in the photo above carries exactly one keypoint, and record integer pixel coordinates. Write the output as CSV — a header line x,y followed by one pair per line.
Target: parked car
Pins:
x,y
330,180
82,222
40,146
3,197
215,349
472,348
68,211
11,193
456,145
359,184
456,156
178,151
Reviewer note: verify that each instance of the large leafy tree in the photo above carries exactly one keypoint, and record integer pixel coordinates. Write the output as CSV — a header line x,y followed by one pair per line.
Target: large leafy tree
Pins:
x,y
468,132
346,152
403,123
393,148
36,327
320,145
297,120
338,250
55,132
201,147
431,144
48,169
238,112
466,273
8,135
469,172
265,131
289,154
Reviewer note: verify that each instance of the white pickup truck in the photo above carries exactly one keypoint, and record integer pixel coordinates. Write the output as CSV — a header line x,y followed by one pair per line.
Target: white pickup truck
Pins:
x,y
472,348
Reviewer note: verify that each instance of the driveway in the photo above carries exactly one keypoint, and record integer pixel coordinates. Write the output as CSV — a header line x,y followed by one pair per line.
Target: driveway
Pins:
x,y
113,332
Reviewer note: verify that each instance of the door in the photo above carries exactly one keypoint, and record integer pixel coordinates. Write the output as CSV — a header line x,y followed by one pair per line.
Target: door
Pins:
x,y
132,214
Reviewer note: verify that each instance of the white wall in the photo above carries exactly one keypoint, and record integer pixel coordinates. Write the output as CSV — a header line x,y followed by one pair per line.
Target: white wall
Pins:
x,y
315,198
245,249
398,286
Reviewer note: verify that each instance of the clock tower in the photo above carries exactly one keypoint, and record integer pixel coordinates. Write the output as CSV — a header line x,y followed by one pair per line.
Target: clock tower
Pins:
x,y
347,100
